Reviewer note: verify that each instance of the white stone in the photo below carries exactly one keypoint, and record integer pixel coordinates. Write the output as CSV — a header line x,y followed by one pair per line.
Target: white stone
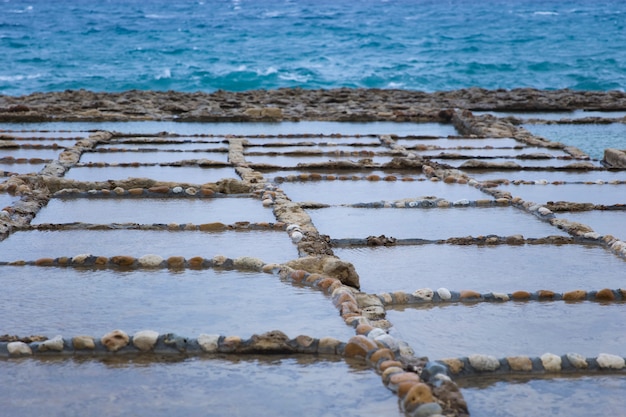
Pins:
x,y
145,340
150,261
209,342
463,202
501,296
388,341
19,348
267,202
473,183
444,293
608,361
248,263
191,191
79,259
293,227
406,350
577,360
424,294
484,362
544,211
374,333
541,182
177,190
551,362
55,344
592,235
296,236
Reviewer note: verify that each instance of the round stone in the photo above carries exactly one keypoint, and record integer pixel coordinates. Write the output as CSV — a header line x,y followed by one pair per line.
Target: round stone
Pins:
x,y
419,394
428,409
19,348
425,294
145,340
83,342
115,340
578,361
484,362
55,344
209,342
607,361
150,261
551,362
177,190
444,293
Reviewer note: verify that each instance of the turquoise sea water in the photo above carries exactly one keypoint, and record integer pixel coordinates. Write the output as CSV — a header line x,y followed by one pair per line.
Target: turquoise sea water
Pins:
x,y
428,45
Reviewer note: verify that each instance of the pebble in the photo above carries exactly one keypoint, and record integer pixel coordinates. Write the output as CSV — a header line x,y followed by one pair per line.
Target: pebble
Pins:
x,y
145,340
426,410
484,362
54,344
150,261
431,369
607,361
115,340
578,361
328,345
83,343
389,341
444,293
520,363
359,346
419,394
551,362
425,294
209,342
177,190
19,348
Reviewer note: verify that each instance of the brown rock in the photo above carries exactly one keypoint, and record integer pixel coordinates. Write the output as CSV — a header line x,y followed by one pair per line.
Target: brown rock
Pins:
x,y
605,294
520,363
469,295
384,365
419,393
176,262
135,191
161,189
381,355
520,295
359,346
115,340
44,262
545,294
212,227
455,365
83,343
123,261
196,262
274,341
576,295
400,377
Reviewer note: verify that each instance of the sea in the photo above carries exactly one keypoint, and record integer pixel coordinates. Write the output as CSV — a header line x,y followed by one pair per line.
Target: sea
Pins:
x,y
239,45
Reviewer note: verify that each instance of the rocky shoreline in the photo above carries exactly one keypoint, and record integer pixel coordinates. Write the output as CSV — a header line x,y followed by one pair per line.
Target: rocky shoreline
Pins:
x,y
294,104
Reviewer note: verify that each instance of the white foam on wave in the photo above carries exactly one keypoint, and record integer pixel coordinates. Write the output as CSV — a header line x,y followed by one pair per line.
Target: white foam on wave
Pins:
x,y
544,13
20,77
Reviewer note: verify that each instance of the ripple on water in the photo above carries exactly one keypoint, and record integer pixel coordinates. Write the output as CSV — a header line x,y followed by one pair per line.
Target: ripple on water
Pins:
x,y
270,385
559,397
501,268
71,302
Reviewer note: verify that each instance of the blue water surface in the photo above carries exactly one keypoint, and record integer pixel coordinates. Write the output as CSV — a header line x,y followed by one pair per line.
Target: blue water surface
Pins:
x,y
236,45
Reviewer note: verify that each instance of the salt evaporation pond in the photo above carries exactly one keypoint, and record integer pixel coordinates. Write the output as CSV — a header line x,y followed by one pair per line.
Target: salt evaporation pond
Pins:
x,y
296,160
270,246
30,153
11,129
415,223
558,115
150,157
267,128
494,152
452,143
273,174
547,175
555,397
607,194
498,268
590,138
183,145
186,174
227,210
612,222
22,168
186,302
522,163
352,192
217,386
7,200
511,328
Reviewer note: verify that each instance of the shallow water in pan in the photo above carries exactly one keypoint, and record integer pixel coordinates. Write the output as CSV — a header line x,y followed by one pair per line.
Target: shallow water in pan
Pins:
x,y
590,138
501,268
512,328
270,246
338,149
22,168
226,210
545,397
493,152
7,199
571,176
182,145
579,193
38,134
576,114
282,128
460,142
70,302
30,153
295,160
524,163
189,175
352,192
361,174
221,386
603,222
350,222
150,157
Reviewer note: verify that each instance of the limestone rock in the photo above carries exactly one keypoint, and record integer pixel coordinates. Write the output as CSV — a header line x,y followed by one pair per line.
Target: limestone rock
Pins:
x,y
520,363
577,360
145,340
419,394
246,263
484,362
54,344
83,342
19,348
551,362
150,261
607,361
115,340
209,342
274,341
